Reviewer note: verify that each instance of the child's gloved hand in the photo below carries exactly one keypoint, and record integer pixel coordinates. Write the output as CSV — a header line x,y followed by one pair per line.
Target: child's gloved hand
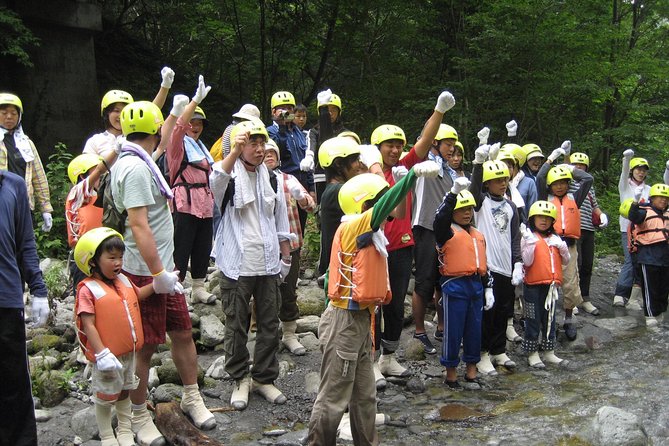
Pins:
x,y
511,128
106,361
167,75
494,151
445,102
202,90
459,185
566,146
399,172
629,153
604,220
489,299
427,169
483,135
324,96
481,154
179,105
518,274
527,234
555,154
307,163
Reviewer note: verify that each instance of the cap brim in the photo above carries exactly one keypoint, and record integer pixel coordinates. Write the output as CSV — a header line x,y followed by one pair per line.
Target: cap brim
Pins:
x,y
247,116
198,116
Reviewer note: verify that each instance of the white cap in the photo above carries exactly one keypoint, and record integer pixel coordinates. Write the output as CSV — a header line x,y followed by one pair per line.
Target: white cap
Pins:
x,y
248,112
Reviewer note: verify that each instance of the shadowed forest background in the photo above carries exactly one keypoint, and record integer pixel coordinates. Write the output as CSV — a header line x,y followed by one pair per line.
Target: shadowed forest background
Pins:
x,y
592,71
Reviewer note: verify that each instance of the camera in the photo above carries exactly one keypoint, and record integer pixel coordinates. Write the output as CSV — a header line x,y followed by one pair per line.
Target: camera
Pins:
x,y
286,116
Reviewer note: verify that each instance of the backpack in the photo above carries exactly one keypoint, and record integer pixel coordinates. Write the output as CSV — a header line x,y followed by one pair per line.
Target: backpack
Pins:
x,y
230,191
111,217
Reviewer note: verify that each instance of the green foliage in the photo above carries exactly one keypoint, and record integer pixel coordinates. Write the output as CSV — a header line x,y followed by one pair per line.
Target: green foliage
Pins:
x,y
311,244
53,244
56,280
15,38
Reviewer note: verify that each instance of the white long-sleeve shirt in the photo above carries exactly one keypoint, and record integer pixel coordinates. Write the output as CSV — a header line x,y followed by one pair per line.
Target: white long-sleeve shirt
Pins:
x,y
626,189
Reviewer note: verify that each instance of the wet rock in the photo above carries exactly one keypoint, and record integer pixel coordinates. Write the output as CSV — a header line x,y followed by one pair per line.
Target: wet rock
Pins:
x,y
51,387
194,319
166,393
414,350
415,385
212,330
311,302
43,342
217,369
512,406
613,426
296,438
43,362
285,368
458,412
308,274
433,372
275,432
153,381
84,425
312,381
167,373
310,341
308,323
215,309
617,324
42,415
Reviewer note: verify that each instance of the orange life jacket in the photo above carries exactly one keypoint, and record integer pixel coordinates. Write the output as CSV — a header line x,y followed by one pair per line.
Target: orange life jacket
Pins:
x,y
117,317
654,229
87,217
463,254
361,275
568,221
547,265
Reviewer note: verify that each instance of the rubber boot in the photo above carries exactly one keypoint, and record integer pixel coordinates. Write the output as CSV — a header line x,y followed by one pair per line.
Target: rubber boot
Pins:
x,y
289,339
511,334
103,416
199,293
636,299
590,308
503,359
535,361
193,405
550,358
484,366
380,380
145,430
389,366
240,395
651,321
124,434
618,301
269,392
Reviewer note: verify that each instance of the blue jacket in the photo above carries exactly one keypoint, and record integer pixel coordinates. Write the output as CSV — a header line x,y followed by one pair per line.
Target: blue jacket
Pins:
x,y
18,252
292,146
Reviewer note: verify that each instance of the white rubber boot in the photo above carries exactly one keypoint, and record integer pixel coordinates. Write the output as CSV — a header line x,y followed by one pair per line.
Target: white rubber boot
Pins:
x,y
380,380
618,301
269,392
511,334
389,366
651,321
636,299
503,359
550,358
145,430
199,293
535,361
289,339
590,308
124,434
240,394
193,405
484,366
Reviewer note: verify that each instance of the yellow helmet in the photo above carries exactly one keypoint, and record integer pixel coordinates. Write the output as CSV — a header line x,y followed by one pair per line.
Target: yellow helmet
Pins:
x,y
334,100
659,190
11,99
446,132
359,189
639,162
494,169
282,98
351,134
199,114
88,243
579,158
465,198
337,147
507,154
558,173
253,127
386,132
543,207
625,207
114,96
532,151
141,117
517,152
82,164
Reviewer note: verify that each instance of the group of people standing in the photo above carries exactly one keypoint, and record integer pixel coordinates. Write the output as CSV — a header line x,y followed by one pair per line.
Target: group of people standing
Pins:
x,y
518,228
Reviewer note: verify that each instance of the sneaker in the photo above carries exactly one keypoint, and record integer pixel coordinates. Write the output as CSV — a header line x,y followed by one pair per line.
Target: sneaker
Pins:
x,y
618,301
454,385
427,345
590,308
570,330
439,335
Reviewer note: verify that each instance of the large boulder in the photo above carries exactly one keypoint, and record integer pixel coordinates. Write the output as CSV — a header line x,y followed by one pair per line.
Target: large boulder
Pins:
x,y
51,387
311,301
84,425
613,426
212,330
308,324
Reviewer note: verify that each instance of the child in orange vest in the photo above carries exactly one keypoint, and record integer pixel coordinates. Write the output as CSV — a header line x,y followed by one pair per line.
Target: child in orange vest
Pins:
x,y
651,238
553,186
543,253
110,329
464,282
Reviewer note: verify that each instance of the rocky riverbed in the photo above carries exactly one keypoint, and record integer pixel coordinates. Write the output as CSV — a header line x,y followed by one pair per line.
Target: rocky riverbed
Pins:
x,y
613,391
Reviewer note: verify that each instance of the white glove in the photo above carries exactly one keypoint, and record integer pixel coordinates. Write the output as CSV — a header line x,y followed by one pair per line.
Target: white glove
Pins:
x,y
494,151
297,191
179,105
629,153
555,154
285,269
489,299
569,167
168,77
202,90
324,96
481,154
120,140
667,165
483,135
178,287
40,310
518,274
427,169
48,221
166,282
511,128
106,361
566,146
555,240
604,219
399,172
527,234
370,155
459,185
638,192
307,163
445,102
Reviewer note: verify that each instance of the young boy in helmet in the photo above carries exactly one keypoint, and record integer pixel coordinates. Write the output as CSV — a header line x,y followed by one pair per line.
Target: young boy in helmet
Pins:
x,y
651,237
553,186
464,281
590,214
253,256
19,155
534,158
497,219
632,175
140,188
544,253
110,329
296,195
358,282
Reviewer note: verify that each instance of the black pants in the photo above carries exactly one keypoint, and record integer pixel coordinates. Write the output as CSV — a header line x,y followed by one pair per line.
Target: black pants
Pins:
x,y
17,412
289,310
399,272
192,240
655,288
493,339
586,257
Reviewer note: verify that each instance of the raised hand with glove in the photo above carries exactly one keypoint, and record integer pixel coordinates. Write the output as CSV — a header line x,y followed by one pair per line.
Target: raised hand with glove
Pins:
x,y
179,104
481,154
494,151
518,274
370,155
445,102
489,299
629,153
555,154
527,234
166,282
324,97
511,128
307,163
483,135
106,361
167,75
40,310
399,172
566,146
48,221
202,90
460,184
427,169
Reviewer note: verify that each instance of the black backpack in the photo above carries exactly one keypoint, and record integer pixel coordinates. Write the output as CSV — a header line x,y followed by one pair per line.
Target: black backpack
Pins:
x,y
230,191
